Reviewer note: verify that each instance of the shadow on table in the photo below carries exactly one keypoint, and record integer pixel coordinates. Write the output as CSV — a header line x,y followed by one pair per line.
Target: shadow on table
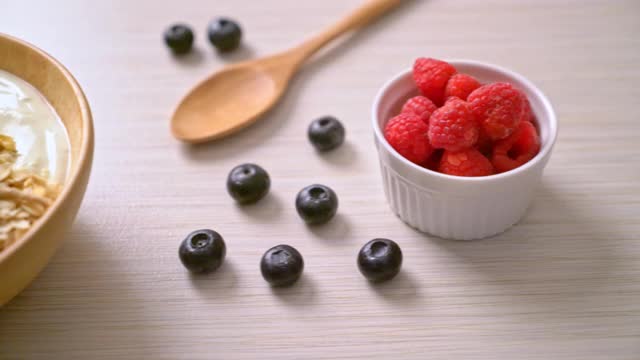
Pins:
x,y
301,294
197,56
88,294
278,117
344,156
243,53
193,58
568,262
403,290
337,230
267,209
222,283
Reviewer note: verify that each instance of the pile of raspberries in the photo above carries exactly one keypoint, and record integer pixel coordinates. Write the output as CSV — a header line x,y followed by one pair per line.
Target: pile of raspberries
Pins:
x,y
461,127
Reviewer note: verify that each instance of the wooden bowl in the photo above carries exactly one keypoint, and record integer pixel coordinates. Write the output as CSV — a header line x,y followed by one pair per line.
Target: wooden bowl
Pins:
x,y
21,262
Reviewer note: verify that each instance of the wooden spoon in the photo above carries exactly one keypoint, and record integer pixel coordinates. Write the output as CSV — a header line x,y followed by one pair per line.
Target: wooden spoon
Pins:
x,y
238,95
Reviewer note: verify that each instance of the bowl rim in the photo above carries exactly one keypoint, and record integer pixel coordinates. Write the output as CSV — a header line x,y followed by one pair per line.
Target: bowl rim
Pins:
x,y
85,154
542,154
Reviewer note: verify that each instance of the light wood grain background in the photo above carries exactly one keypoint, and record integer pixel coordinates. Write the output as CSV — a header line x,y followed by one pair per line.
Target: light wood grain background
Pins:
x,y
563,284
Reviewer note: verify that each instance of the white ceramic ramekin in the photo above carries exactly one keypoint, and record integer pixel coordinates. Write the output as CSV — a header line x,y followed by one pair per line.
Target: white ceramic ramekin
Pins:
x,y
453,207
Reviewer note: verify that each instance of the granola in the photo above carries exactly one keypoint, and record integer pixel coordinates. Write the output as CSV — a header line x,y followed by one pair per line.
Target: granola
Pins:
x,y
24,196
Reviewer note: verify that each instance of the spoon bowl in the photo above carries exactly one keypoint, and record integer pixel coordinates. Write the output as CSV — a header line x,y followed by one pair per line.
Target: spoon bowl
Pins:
x,y
206,112
232,99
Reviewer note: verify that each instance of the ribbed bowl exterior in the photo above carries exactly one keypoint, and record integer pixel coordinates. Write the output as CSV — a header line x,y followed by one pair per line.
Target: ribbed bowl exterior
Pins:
x,y
456,207
454,217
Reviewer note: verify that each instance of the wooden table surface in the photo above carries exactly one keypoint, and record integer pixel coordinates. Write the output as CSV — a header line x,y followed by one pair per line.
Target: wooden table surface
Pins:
x,y
562,284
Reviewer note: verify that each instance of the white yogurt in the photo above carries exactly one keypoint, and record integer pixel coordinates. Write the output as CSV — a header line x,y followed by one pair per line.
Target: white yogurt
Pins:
x,y
40,136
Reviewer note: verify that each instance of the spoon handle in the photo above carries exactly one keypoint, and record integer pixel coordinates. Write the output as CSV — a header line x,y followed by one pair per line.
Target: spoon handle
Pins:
x,y
359,17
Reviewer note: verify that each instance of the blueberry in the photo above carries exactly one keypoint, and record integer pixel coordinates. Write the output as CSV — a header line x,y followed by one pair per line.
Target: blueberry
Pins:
x,y
202,251
248,183
225,34
281,265
316,204
326,133
179,38
380,260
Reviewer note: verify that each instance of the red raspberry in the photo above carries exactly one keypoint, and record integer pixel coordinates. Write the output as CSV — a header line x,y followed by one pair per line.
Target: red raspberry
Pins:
x,y
453,127
431,76
433,162
498,107
407,134
460,86
517,149
527,113
469,162
420,106
484,144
